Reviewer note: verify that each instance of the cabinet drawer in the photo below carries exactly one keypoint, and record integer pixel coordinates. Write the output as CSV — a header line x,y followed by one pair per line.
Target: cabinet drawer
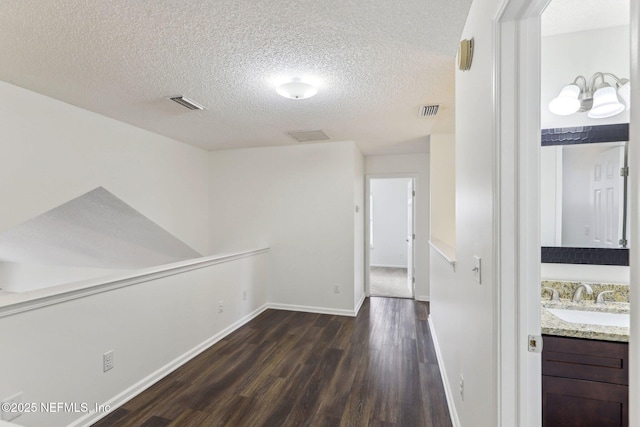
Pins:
x,y
584,359
573,403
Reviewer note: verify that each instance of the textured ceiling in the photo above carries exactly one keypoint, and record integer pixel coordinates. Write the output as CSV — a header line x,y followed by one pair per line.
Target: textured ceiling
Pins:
x,y
570,16
374,61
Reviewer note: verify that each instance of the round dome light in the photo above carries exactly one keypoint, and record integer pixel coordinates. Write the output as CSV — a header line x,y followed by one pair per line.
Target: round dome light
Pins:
x,y
297,89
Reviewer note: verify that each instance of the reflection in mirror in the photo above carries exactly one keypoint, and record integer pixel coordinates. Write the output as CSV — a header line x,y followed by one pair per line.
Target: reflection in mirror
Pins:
x,y
582,195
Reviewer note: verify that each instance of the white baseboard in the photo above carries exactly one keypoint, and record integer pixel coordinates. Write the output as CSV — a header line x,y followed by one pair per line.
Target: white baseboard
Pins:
x,y
310,309
131,392
422,298
388,266
359,305
455,420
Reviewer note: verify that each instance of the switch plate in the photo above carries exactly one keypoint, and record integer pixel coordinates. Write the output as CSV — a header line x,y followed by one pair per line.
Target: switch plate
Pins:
x,y
244,295
220,306
14,403
336,289
461,387
477,269
107,361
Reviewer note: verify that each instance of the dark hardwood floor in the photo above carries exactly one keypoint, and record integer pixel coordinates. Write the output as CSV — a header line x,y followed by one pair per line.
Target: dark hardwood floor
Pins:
x,y
299,369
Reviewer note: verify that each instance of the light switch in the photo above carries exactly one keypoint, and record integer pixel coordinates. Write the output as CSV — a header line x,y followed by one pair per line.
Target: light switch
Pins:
x,y
477,269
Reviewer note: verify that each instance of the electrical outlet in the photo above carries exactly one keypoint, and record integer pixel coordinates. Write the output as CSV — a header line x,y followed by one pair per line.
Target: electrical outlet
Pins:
x,y
11,407
336,289
244,295
461,387
107,361
220,306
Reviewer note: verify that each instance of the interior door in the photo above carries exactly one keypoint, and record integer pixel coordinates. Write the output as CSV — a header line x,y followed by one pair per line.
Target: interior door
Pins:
x,y
605,198
410,237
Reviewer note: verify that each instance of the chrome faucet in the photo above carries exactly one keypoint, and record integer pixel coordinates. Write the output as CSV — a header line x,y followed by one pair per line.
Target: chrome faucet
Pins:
x,y
555,296
577,295
600,299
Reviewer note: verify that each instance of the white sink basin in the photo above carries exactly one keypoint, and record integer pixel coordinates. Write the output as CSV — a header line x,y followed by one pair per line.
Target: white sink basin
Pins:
x,y
591,317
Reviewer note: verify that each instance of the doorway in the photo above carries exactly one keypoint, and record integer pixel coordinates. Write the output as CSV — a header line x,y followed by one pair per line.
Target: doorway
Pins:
x,y
391,237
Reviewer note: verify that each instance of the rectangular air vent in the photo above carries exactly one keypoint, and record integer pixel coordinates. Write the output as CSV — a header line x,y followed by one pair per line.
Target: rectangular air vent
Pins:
x,y
187,103
428,110
309,135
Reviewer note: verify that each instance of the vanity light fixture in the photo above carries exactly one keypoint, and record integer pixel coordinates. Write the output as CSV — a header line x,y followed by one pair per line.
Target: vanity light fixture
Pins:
x,y
597,97
297,89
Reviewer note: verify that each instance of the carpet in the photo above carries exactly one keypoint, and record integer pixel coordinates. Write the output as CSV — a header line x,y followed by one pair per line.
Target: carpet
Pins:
x,y
389,282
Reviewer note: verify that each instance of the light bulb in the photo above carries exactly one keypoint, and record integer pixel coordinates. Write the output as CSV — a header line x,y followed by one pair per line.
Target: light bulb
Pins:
x,y
605,103
566,102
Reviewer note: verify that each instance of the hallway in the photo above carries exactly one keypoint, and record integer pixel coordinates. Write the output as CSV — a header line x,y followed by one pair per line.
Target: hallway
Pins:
x,y
389,282
290,369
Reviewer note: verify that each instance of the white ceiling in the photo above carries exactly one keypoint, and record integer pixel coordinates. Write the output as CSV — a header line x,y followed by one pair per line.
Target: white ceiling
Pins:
x,y
375,62
570,16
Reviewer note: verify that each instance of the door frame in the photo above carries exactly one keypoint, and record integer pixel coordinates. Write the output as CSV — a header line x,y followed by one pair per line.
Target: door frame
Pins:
x,y
517,42
634,232
367,242
516,81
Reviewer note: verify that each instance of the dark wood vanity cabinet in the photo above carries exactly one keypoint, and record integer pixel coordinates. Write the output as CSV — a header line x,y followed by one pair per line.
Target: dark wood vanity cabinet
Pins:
x,y
584,383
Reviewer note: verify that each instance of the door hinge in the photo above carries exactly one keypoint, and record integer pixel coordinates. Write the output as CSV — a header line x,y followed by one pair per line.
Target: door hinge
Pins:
x,y
414,237
413,280
413,193
624,171
535,343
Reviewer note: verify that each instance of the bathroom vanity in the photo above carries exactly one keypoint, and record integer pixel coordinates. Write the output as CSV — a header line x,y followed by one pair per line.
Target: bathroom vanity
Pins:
x,y
585,369
584,380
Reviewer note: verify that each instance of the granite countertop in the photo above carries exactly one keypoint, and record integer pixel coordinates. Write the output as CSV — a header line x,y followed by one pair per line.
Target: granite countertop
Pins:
x,y
552,325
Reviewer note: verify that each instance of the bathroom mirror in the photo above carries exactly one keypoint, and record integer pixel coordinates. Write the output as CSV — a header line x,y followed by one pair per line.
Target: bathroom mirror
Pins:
x,y
583,195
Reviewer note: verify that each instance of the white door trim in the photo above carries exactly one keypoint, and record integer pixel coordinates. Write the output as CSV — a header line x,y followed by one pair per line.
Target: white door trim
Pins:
x,y
516,207
634,180
367,242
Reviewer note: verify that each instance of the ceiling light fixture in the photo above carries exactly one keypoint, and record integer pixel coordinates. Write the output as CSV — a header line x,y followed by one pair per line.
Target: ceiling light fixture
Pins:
x,y
599,99
297,89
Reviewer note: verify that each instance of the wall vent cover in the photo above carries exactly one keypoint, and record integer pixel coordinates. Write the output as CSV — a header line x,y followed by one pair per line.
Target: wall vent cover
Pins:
x,y
308,135
428,110
187,103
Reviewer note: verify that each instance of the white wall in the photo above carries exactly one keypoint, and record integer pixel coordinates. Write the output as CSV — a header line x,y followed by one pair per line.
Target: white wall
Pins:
x,y
551,196
413,164
299,201
359,228
443,192
54,354
52,152
585,273
566,56
390,215
463,311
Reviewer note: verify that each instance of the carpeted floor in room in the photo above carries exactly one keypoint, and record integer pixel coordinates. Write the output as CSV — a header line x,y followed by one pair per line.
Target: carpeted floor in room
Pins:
x,y
389,282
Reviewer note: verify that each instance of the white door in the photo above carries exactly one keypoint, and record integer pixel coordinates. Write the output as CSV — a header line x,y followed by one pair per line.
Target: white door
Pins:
x,y
410,237
606,209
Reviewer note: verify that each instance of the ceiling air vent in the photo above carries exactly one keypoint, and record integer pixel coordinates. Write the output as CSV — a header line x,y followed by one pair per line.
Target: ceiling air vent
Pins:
x,y
428,110
187,103
309,135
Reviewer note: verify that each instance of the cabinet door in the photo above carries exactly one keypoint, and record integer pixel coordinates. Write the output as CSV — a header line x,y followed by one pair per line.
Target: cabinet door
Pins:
x,y
579,403
601,361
